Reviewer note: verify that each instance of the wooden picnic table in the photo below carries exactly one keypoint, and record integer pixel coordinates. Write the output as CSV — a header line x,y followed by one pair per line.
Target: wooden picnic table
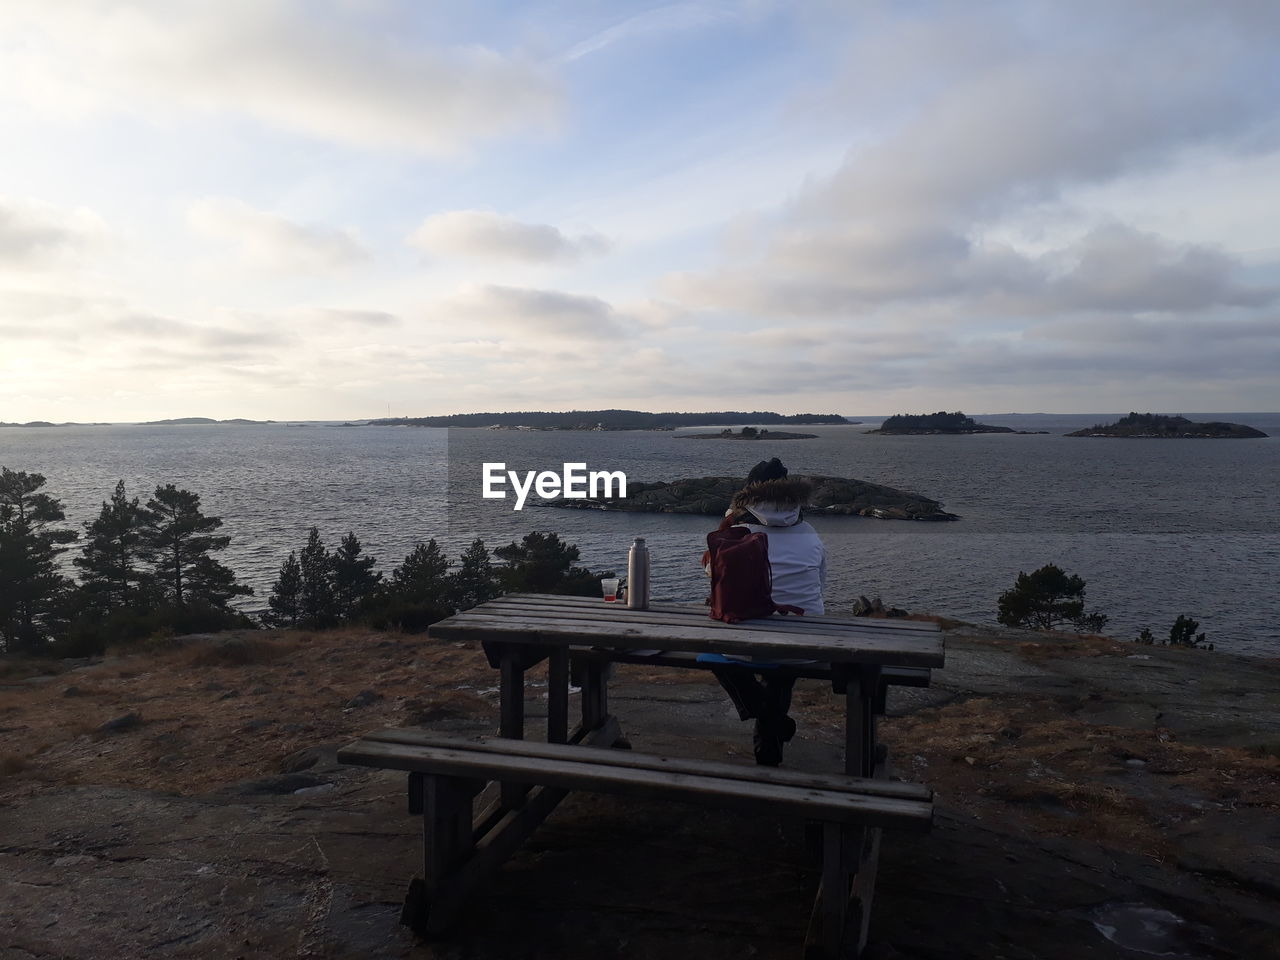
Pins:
x,y
518,631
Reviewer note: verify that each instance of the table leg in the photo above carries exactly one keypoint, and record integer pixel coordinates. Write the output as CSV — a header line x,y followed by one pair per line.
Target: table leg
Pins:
x,y
859,688
595,694
558,696
511,721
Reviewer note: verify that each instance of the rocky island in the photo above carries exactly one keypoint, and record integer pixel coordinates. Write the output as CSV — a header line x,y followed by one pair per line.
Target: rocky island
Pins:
x,y
710,496
749,433
1156,426
924,424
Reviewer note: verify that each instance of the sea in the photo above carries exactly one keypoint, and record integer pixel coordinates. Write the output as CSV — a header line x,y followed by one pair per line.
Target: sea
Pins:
x,y
1157,528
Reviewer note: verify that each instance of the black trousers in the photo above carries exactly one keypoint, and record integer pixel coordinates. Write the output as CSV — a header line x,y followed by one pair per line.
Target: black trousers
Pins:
x,y
765,695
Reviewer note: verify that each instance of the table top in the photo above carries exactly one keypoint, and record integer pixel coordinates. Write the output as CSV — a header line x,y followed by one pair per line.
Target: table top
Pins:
x,y
550,620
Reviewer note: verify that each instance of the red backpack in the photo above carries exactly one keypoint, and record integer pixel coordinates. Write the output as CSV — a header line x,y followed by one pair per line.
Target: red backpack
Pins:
x,y
741,577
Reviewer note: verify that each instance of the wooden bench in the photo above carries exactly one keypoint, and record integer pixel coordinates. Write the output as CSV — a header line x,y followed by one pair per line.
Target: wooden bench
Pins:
x,y
580,657
462,851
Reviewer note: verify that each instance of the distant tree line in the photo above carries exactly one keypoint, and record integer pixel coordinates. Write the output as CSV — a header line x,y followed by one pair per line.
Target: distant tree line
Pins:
x,y
150,568
608,419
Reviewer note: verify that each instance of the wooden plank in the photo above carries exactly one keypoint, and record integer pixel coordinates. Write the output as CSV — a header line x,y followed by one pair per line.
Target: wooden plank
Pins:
x,y
623,615
893,676
921,651
693,609
617,613
797,625
645,761
567,774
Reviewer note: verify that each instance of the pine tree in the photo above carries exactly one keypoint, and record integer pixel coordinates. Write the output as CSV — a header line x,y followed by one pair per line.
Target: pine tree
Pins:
x,y
111,572
316,600
1046,599
423,576
32,591
178,541
284,604
474,581
543,563
353,576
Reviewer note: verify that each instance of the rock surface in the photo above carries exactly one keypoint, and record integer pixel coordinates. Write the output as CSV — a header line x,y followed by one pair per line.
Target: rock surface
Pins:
x,y
710,496
1048,843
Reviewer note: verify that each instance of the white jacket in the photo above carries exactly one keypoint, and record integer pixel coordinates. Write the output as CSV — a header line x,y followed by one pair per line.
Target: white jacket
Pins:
x,y
796,554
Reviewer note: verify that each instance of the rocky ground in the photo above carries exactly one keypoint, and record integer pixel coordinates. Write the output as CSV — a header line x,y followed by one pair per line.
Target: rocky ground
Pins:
x,y
1095,799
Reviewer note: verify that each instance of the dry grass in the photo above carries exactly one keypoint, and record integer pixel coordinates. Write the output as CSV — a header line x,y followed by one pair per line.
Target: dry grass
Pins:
x,y
232,708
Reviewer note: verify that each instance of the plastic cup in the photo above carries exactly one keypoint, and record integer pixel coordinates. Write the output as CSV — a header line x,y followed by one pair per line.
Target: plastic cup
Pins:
x,y
609,586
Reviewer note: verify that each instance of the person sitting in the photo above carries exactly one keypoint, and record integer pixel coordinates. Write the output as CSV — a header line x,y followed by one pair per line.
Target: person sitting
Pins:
x,y
772,503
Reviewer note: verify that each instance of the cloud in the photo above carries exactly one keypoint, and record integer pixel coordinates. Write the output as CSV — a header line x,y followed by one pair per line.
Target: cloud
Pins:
x,y
977,141
1119,268
152,329
35,234
331,70
272,242
359,318
535,313
486,235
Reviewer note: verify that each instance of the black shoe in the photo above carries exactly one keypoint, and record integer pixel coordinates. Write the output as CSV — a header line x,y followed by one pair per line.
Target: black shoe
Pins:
x,y
768,740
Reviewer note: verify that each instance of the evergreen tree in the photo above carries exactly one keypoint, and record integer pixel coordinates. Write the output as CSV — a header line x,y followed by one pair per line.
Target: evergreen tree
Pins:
x,y
111,572
1046,599
285,603
32,591
354,578
179,542
316,600
474,581
423,576
418,593
543,563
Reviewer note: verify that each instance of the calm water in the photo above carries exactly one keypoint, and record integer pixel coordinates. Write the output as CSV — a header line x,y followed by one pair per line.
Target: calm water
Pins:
x,y
1156,528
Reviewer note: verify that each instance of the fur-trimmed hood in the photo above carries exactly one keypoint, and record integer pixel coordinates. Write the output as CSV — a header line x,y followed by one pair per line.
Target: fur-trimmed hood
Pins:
x,y
783,492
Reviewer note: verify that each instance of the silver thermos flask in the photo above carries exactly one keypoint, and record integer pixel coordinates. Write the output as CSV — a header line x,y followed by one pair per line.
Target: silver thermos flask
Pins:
x,y
638,575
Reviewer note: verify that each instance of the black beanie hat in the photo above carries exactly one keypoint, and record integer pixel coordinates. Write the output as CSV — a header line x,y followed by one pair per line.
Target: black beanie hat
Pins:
x,y
767,470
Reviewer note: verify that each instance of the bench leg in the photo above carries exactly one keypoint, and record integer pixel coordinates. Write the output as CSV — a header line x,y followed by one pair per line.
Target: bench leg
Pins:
x,y
459,857
841,915
445,804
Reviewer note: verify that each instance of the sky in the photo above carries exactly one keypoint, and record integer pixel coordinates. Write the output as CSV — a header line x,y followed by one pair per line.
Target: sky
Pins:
x,y
332,209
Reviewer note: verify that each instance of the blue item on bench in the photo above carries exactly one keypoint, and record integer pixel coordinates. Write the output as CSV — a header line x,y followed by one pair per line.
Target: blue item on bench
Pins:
x,y
749,664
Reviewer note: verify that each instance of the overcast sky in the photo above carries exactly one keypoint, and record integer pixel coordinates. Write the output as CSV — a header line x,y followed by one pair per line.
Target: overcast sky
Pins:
x,y
324,209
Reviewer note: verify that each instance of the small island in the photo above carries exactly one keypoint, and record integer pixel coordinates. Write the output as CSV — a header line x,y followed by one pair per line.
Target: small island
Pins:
x,y
710,496
925,424
749,433
1156,426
